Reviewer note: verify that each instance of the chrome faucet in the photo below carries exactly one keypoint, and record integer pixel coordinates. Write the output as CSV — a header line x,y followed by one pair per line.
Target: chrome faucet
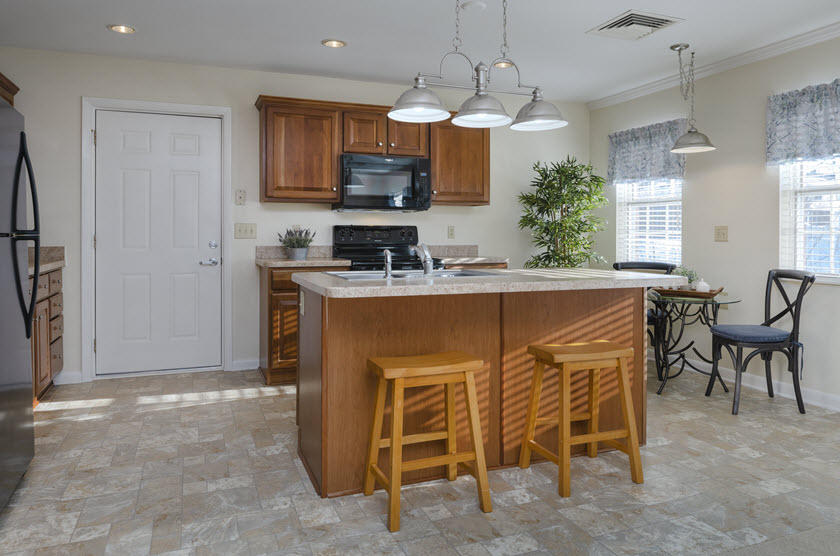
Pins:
x,y
422,251
387,253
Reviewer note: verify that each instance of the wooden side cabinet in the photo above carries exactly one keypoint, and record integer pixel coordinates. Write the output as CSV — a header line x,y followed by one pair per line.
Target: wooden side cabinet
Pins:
x,y
279,323
47,332
460,164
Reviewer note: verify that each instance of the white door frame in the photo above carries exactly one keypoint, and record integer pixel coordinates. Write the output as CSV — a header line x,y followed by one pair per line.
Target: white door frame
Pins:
x,y
88,302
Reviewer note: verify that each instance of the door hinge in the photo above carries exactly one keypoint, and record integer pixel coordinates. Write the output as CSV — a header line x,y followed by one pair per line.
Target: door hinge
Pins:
x,y
94,242
94,345
94,137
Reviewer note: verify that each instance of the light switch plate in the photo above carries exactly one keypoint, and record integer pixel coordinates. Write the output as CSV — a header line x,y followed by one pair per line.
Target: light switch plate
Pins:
x,y
244,231
450,232
721,233
239,197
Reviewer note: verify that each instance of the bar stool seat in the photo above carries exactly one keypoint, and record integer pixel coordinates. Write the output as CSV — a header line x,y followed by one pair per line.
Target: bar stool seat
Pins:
x,y
567,358
449,368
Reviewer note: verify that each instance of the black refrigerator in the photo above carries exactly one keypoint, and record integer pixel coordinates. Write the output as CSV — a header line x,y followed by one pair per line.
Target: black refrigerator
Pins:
x,y
17,301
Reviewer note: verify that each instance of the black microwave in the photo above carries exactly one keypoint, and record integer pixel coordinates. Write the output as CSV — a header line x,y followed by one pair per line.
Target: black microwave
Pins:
x,y
387,183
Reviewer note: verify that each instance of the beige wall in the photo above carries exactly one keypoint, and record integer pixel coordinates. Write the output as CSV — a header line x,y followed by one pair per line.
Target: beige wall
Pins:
x,y
732,186
52,85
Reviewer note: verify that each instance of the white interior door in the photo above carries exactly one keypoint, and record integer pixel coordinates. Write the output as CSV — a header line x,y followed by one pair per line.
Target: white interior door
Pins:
x,y
158,231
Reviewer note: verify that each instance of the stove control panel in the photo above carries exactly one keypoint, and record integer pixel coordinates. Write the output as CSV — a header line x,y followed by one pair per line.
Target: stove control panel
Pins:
x,y
374,235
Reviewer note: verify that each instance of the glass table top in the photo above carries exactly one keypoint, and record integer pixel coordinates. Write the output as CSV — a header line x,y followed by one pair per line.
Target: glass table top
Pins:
x,y
718,300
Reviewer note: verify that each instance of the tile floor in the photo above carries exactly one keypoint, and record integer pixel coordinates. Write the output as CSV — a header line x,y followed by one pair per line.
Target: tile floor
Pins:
x,y
205,464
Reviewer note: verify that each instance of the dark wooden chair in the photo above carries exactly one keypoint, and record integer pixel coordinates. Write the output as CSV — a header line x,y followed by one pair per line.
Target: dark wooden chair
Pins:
x,y
765,339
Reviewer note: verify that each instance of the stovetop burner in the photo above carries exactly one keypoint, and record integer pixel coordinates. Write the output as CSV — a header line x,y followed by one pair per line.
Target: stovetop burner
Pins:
x,y
365,246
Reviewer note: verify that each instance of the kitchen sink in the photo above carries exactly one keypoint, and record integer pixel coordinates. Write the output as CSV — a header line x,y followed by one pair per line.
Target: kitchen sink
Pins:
x,y
410,274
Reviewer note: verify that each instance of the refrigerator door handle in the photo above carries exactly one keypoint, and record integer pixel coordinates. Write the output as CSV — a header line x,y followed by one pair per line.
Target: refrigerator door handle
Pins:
x,y
23,158
28,312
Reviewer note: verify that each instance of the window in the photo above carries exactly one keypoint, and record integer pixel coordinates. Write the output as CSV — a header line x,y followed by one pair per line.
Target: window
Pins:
x,y
810,216
649,220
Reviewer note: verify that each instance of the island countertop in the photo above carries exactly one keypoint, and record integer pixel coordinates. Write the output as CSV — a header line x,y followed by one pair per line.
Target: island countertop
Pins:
x,y
496,281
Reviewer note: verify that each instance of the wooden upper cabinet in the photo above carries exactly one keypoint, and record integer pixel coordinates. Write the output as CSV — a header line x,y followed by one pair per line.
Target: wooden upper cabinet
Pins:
x,y
460,164
299,146
364,132
408,139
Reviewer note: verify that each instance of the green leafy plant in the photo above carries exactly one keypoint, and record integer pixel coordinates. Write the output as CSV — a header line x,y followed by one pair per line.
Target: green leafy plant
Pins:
x,y
687,272
558,213
296,239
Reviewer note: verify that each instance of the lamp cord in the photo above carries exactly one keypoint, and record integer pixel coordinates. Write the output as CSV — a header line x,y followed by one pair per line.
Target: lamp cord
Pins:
x,y
505,48
687,83
456,42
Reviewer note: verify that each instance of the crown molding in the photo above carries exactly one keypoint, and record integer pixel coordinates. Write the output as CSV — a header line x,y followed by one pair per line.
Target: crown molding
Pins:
x,y
769,51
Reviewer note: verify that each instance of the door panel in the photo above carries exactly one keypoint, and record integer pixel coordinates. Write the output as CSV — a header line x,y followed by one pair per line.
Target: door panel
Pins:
x,y
364,132
158,208
460,164
284,308
41,346
409,139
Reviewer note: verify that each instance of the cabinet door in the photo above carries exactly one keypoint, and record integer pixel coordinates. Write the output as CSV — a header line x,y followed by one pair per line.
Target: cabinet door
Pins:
x,y
299,151
460,165
284,309
408,139
364,132
41,347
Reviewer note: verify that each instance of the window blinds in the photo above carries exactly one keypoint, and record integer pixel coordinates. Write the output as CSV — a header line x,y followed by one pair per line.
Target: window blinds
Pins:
x,y
649,221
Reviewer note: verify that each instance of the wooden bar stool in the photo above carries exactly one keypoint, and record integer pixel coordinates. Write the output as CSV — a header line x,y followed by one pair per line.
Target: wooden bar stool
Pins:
x,y
448,368
591,356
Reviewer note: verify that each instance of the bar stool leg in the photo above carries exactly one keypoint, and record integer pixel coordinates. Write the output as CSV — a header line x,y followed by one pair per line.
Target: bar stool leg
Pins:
x,y
375,435
564,457
594,411
629,422
451,431
474,418
396,455
531,417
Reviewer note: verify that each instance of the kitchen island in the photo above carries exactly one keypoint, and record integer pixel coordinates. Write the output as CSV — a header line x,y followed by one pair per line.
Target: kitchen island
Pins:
x,y
493,314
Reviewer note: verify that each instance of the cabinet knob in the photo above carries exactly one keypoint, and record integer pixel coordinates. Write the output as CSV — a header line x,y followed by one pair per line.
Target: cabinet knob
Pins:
x,y
434,191
335,189
380,143
393,144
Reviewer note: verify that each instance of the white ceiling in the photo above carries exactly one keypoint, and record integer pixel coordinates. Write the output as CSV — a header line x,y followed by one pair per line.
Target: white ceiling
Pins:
x,y
391,40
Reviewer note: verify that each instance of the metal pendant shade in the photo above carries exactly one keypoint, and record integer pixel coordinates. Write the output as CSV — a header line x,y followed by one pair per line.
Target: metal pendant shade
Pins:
x,y
538,115
692,142
419,105
482,110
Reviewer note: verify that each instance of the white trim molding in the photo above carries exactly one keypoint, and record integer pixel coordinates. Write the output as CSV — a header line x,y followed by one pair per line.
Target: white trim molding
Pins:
x,y
88,265
756,55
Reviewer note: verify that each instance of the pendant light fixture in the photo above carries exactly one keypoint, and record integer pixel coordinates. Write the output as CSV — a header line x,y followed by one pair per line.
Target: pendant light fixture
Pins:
x,y
482,110
693,141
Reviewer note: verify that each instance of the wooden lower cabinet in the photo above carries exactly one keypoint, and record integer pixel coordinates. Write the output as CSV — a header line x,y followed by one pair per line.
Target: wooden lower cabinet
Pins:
x,y
47,333
279,308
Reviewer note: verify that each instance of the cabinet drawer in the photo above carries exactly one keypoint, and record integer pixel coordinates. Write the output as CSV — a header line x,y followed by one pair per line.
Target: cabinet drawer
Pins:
x,y
54,280
56,356
56,306
56,328
43,287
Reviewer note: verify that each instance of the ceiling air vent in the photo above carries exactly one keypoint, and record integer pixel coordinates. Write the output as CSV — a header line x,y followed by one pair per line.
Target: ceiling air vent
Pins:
x,y
633,25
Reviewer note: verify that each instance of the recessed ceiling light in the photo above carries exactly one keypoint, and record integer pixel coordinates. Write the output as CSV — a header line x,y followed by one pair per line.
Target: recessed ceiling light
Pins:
x,y
333,43
124,29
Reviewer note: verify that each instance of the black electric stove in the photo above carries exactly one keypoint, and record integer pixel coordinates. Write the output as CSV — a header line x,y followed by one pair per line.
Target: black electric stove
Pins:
x,y
365,246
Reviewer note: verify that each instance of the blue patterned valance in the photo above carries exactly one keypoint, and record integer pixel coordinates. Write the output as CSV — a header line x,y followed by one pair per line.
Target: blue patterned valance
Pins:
x,y
644,153
804,124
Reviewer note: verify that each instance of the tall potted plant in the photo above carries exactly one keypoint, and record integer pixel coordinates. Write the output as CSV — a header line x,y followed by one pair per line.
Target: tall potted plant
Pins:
x,y
558,211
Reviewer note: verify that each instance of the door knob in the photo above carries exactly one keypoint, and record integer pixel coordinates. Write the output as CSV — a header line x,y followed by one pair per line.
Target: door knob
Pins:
x,y
211,262
213,245
335,189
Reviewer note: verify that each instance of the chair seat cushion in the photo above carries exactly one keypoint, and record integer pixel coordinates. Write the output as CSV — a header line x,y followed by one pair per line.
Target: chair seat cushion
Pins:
x,y
750,333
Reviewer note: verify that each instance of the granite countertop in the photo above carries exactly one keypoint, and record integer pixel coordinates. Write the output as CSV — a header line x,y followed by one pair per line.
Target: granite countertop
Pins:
x,y
52,258
310,261
273,256
474,260
498,281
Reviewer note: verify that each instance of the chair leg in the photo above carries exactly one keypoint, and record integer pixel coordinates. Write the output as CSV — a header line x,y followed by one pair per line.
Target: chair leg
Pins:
x,y
594,410
451,431
739,363
625,395
715,358
796,388
375,435
396,455
767,357
474,418
531,417
564,456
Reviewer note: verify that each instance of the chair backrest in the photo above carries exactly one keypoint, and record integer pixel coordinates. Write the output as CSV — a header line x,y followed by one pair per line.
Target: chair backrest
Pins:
x,y
667,268
794,308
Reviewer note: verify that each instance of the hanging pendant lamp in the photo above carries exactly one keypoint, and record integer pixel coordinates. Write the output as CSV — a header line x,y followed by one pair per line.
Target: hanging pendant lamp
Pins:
x,y
538,115
419,104
692,141
481,109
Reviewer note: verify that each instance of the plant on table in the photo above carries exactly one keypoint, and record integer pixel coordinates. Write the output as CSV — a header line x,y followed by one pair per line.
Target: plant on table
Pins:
x,y
558,211
690,274
297,239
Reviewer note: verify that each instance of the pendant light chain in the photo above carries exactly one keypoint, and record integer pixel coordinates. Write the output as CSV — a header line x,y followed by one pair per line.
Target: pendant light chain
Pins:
x,y
505,48
456,42
687,83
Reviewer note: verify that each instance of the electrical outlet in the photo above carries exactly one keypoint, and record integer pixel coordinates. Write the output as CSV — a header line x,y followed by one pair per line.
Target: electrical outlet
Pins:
x,y
450,232
721,233
244,231
239,197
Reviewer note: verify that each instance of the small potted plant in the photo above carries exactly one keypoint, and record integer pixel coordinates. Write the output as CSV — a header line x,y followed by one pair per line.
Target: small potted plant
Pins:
x,y
297,242
688,273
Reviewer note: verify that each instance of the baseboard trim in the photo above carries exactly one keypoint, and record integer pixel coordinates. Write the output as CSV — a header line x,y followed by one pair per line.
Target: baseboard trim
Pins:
x,y
782,389
244,365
